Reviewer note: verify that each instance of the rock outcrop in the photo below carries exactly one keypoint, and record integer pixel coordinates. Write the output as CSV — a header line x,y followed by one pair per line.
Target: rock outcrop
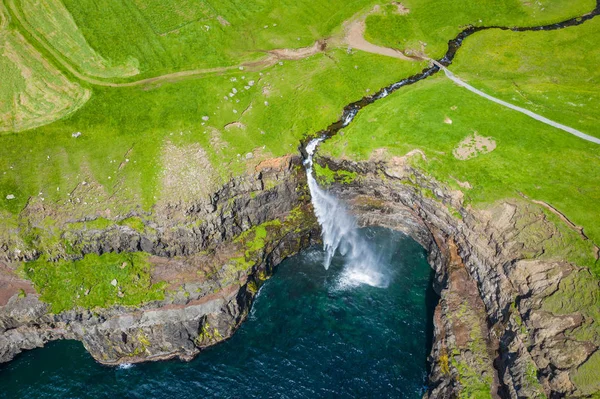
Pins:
x,y
506,324
200,308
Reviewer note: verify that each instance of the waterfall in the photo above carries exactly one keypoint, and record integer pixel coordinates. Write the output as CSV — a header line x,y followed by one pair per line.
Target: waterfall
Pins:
x,y
341,234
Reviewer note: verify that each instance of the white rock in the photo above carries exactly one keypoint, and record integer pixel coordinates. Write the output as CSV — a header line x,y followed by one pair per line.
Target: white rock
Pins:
x,y
10,197
114,282
205,118
77,134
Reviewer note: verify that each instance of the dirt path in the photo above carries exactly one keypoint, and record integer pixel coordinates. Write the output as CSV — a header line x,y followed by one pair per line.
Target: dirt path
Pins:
x,y
531,114
355,38
299,53
273,56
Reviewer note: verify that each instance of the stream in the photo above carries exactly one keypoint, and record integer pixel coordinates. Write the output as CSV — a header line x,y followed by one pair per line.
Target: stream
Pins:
x,y
351,110
359,327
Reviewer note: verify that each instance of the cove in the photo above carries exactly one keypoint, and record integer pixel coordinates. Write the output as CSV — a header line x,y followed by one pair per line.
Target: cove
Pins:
x,y
311,333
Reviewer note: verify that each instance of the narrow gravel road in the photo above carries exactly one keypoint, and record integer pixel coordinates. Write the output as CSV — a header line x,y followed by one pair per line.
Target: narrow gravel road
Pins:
x,y
531,114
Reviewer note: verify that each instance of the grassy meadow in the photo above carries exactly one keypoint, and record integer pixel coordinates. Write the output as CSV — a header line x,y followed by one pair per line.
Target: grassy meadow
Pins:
x,y
434,22
52,21
554,73
274,108
84,149
32,91
167,37
531,158
94,281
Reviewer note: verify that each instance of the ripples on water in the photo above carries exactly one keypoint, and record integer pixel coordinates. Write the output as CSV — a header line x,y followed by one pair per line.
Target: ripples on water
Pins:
x,y
312,333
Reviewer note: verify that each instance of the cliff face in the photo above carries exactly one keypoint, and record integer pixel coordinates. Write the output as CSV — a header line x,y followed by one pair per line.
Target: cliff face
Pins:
x,y
509,319
198,249
504,324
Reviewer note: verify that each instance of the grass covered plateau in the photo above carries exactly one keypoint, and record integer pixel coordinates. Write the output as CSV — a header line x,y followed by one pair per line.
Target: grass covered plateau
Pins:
x,y
126,131
507,153
427,25
94,281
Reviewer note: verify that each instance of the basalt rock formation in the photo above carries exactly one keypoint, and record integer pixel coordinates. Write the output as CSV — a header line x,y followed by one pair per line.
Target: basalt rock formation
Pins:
x,y
211,287
516,318
507,321
497,326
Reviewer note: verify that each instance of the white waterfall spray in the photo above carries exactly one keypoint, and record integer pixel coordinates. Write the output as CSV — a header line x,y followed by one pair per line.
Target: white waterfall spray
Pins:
x,y
340,233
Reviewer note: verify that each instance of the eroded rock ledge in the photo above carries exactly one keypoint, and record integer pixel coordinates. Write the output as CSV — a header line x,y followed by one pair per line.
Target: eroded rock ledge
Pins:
x,y
509,320
505,322
206,251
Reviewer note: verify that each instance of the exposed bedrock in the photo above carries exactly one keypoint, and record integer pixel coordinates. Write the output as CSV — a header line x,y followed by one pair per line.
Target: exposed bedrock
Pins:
x,y
502,324
494,325
197,249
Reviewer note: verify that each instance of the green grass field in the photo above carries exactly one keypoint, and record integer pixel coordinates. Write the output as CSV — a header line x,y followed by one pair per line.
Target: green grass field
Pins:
x,y
434,22
200,34
527,70
544,163
284,104
94,281
144,145
33,92
52,21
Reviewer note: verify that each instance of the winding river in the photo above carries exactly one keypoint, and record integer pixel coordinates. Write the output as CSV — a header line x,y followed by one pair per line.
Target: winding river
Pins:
x,y
312,332
351,110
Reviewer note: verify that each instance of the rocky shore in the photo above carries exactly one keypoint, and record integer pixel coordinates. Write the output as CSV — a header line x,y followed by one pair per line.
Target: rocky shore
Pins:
x,y
507,321
211,273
